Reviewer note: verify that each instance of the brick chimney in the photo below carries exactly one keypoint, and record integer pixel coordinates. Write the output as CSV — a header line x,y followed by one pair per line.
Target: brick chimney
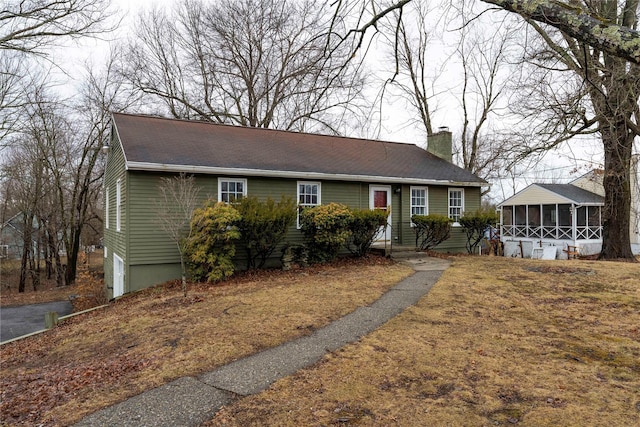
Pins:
x,y
440,143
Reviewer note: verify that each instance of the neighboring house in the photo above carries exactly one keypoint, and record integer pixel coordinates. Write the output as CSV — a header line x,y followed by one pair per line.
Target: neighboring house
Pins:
x,y
12,236
238,161
563,216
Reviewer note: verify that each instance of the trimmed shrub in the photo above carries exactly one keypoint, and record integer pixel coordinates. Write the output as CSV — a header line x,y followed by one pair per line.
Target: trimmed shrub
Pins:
x,y
263,225
431,230
474,225
326,230
211,247
364,227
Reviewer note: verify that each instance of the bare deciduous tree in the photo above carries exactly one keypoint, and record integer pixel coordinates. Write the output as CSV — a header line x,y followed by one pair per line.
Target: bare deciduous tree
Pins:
x,y
32,25
13,76
102,92
582,21
28,29
410,44
598,43
260,63
482,59
63,138
484,51
575,88
178,198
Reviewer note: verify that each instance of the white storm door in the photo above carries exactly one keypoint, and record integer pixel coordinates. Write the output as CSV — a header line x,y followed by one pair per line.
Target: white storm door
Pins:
x,y
380,198
118,276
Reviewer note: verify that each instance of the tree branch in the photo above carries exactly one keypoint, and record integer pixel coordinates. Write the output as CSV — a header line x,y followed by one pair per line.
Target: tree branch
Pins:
x,y
573,20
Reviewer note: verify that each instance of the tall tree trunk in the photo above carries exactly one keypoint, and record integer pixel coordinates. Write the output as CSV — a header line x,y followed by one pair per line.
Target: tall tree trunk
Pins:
x,y
34,268
54,255
615,99
23,265
27,231
72,255
616,241
60,272
48,255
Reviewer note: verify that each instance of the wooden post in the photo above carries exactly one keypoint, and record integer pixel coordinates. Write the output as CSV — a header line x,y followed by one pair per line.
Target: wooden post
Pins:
x,y
50,319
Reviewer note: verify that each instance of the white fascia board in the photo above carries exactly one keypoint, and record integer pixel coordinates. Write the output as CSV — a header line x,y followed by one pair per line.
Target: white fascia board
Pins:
x,y
507,202
124,154
157,167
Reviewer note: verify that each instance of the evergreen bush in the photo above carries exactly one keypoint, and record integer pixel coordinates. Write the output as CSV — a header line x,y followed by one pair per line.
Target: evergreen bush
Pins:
x,y
211,246
431,230
263,225
326,229
364,227
474,225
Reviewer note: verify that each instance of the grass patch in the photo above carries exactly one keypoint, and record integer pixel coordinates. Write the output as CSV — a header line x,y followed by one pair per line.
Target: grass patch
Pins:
x,y
155,336
496,342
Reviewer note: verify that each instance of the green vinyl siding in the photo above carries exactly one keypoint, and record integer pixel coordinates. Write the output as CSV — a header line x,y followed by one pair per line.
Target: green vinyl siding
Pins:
x,y
149,244
352,194
151,257
263,188
458,240
438,203
115,241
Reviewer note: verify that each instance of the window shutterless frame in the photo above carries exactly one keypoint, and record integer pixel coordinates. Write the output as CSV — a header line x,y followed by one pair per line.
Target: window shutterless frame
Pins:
x,y
456,204
308,194
231,188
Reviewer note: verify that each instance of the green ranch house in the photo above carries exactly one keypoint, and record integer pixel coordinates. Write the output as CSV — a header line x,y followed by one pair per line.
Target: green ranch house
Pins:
x,y
238,161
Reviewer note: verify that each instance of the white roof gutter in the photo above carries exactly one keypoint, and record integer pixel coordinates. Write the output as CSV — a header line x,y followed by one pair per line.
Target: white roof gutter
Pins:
x,y
209,170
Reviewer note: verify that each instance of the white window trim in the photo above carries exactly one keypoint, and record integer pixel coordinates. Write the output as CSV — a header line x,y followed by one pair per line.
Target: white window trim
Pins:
x,y
229,179
426,200
456,223
319,184
118,205
104,249
106,209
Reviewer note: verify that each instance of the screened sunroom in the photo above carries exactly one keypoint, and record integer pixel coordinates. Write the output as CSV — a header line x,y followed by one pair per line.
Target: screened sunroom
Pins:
x,y
551,215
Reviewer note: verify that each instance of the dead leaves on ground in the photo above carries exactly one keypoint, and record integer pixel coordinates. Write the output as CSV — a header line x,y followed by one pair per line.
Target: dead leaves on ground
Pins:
x,y
148,338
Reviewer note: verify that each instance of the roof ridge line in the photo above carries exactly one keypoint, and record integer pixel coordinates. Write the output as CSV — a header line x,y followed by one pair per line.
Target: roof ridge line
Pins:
x,y
151,116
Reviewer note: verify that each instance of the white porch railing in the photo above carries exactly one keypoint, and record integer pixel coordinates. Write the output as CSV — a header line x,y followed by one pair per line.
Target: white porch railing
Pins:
x,y
552,232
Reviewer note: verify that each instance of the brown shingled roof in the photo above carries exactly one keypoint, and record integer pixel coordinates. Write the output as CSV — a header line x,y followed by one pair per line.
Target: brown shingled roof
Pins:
x,y
152,143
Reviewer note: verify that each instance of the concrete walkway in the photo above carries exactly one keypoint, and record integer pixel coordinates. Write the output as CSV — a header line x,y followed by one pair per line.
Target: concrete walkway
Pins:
x,y
189,401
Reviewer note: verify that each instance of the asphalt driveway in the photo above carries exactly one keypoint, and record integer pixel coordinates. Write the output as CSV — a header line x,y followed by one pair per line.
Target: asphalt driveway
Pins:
x,y
24,319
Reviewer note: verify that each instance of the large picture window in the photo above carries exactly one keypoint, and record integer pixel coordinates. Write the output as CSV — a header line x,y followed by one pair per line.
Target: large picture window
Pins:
x,y
230,189
456,204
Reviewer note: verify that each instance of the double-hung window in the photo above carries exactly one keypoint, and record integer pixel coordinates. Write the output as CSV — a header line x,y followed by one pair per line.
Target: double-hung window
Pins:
x,y
456,204
419,198
308,195
230,189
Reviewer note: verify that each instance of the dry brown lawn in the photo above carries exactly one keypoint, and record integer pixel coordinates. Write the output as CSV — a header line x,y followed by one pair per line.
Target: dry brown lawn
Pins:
x,y
147,339
496,342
